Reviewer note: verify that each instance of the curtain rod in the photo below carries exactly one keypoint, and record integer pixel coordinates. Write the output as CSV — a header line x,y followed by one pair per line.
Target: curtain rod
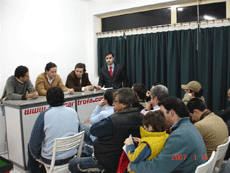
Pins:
x,y
166,25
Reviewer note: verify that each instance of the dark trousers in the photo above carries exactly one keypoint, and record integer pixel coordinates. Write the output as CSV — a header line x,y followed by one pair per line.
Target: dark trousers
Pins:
x,y
86,164
34,166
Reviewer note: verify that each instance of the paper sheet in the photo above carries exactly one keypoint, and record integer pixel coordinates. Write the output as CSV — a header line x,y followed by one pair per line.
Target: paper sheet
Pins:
x,y
124,147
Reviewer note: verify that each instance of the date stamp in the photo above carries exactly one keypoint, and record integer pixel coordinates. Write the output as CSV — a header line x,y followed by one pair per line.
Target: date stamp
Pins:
x,y
183,156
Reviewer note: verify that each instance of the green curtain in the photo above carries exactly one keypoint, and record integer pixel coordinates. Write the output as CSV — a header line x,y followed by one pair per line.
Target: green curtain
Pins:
x,y
175,58
164,57
136,58
214,64
146,55
189,60
174,63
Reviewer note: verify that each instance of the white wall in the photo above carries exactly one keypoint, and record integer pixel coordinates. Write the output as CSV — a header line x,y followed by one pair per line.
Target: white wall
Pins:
x,y
99,7
0,41
35,32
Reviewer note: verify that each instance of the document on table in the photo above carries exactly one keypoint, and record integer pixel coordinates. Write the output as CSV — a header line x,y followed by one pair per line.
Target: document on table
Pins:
x,y
66,93
106,88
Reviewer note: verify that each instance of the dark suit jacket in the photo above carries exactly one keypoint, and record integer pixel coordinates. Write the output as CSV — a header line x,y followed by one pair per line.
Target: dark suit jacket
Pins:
x,y
119,77
74,82
225,114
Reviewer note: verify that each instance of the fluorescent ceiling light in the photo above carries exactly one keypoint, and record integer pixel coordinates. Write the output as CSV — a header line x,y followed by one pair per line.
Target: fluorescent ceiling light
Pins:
x,y
180,9
207,17
174,7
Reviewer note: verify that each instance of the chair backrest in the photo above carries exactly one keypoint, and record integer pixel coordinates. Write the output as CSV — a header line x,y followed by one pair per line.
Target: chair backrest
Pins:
x,y
208,166
221,152
67,143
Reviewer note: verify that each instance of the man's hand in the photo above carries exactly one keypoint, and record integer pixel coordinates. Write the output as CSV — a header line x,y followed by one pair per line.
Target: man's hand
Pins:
x,y
191,95
35,94
148,94
91,87
102,103
128,168
98,87
128,141
71,90
87,88
148,106
136,140
39,160
28,95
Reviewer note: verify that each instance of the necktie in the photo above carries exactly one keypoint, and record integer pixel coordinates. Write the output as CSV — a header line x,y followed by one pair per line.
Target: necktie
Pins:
x,y
111,71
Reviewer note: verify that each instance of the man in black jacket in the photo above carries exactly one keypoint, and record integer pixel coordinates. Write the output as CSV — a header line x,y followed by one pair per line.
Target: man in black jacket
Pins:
x,y
112,75
111,133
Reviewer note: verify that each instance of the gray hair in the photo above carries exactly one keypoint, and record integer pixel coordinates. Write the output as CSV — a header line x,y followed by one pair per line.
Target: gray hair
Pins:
x,y
127,96
159,91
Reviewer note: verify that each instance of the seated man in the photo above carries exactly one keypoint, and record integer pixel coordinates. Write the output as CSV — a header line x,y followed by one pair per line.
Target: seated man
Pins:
x,y
140,91
212,128
192,90
48,79
78,79
99,114
158,93
225,114
148,93
56,122
111,133
184,149
107,101
19,86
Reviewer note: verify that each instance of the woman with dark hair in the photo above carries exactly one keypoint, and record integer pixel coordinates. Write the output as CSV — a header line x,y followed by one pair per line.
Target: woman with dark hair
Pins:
x,y
78,79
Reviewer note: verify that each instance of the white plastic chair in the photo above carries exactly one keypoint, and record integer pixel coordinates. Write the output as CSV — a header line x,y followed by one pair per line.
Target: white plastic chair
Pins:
x,y
64,144
208,166
220,154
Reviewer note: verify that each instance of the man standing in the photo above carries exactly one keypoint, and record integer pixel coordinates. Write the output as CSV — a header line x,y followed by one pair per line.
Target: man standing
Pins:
x,y
78,79
184,149
111,133
19,86
212,128
49,79
192,90
113,75
158,93
56,122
